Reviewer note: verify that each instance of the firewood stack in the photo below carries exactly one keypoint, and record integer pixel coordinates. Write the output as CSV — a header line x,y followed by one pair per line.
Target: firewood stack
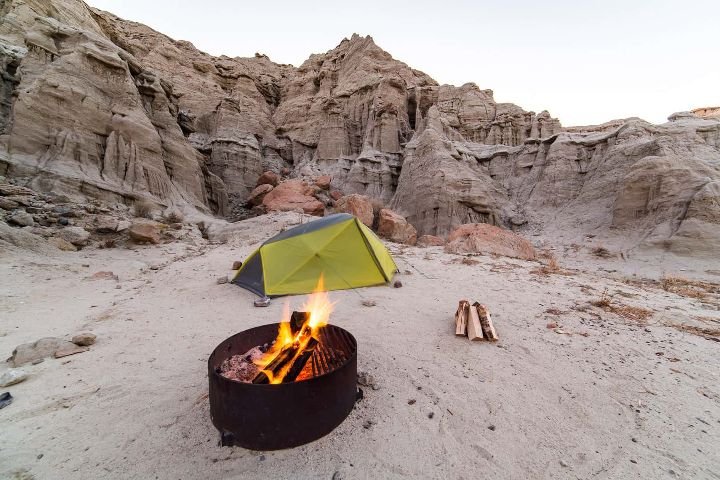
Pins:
x,y
473,321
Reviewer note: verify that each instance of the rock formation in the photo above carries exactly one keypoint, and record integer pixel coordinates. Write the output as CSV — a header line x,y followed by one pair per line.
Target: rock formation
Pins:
x,y
95,106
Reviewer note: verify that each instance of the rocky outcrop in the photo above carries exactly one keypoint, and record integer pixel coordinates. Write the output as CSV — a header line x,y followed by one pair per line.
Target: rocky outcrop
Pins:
x,y
92,105
488,239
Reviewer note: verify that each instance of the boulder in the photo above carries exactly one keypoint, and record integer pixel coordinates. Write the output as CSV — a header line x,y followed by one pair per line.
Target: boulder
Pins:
x,y
78,236
258,194
323,182
62,244
292,196
336,195
12,377
84,339
430,241
268,178
145,232
485,238
395,228
123,225
105,224
22,219
43,348
358,205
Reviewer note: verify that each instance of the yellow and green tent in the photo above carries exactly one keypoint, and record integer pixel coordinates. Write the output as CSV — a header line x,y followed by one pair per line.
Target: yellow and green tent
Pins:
x,y
339,247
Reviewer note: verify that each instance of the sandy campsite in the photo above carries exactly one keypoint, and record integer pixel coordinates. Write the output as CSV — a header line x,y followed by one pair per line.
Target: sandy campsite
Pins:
x,y
599,396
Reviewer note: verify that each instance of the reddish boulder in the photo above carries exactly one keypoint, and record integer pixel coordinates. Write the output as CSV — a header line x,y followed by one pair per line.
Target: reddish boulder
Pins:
x,y
268,178
358,205
485,238
145,232
430,241
395,228
323,182
336,195
291,196
258,194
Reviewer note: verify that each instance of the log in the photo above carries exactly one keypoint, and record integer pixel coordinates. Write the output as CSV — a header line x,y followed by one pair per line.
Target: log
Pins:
x,y
474,329
461,317
300,361
276,364
297,320
486,322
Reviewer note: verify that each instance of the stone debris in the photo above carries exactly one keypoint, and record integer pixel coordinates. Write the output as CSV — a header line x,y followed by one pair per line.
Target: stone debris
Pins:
x,y
43,348
12,376
84,339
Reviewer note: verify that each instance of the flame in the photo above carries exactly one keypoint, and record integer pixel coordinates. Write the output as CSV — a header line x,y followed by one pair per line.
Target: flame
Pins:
x,y
320,307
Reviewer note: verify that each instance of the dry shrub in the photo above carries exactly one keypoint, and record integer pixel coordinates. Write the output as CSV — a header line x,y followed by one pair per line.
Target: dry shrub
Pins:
x,y
636,314
551,266
173,215
685,287
601,252
554,311
469,261
701,331
143,208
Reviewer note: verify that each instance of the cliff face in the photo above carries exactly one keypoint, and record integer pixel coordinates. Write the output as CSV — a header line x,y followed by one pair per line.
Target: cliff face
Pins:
x,y
93,105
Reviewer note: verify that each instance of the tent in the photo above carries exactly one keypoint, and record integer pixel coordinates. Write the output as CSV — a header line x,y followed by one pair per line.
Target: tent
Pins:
x,y
339,247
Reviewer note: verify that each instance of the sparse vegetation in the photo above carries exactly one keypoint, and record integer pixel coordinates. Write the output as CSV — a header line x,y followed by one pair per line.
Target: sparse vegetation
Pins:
x,y
685,287
550,267
143,208
629,312
601,252
173,215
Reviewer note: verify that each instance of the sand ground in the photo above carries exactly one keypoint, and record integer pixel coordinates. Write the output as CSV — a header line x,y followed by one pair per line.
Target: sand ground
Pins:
x,y
602,396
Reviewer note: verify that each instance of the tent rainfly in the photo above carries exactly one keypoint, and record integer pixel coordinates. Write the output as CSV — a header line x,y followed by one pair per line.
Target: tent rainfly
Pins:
x,y
340,247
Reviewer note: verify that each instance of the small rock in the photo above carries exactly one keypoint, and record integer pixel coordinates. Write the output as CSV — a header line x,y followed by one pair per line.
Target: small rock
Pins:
x,y
337,476
40,455
369,303
12,376
262,458
84,339
22,219
633,460
648,330
105,224
62,244
551,325
397,284
37,361
222,280
324,182
367,424
563,464
78,236
63,221
268,178
123,225
634,439
491,428
236,265
431,414
411,401
104,275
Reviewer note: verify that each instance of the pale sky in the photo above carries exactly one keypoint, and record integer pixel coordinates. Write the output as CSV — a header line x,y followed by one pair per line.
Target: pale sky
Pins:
x,y
586,61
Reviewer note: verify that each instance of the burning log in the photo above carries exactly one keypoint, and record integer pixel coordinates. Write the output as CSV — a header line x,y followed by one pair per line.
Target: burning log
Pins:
x,y
486,322
461,318
293,356
474,328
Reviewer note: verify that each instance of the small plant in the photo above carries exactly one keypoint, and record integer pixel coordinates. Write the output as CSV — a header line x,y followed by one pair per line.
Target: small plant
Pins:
x,y
173,215
604,301
143,208
601,252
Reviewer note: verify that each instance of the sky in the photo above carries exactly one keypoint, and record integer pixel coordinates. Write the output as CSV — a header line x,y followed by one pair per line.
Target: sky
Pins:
x,y
585,61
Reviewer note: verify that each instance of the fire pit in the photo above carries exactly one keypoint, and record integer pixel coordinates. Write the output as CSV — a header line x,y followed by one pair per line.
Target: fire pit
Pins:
x,y
296,381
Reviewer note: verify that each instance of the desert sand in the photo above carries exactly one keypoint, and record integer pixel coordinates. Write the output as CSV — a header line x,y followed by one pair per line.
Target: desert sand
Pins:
x,y
600,396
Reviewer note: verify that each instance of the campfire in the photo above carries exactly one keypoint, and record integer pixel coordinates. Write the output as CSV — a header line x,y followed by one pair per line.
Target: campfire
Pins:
x,y
284,384
286,358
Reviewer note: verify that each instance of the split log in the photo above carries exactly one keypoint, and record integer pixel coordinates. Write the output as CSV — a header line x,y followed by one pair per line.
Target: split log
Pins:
x,y
277,364
297,320
486,322
461,318
474,329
